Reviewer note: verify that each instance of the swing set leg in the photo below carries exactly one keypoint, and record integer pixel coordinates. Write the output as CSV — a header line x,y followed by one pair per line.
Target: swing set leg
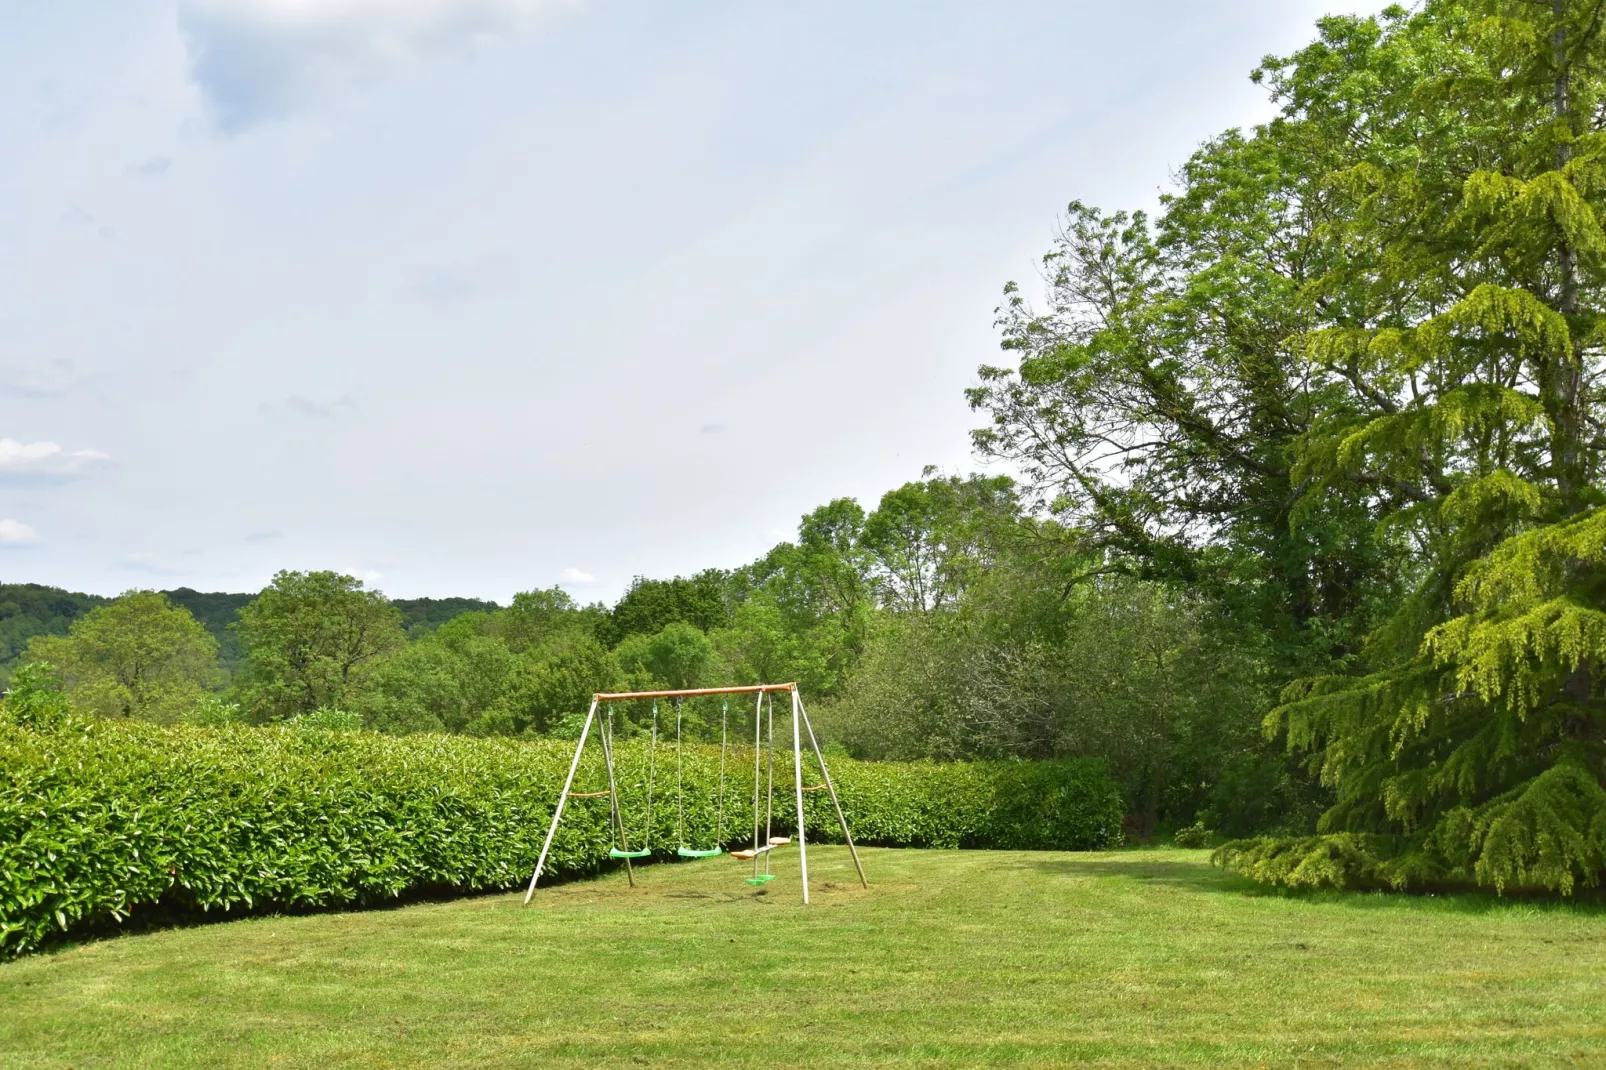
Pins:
x,y
831,787
563,797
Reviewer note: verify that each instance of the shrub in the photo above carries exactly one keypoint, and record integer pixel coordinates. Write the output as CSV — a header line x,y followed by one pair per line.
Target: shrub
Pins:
x,y
1194,835
103,820
328,719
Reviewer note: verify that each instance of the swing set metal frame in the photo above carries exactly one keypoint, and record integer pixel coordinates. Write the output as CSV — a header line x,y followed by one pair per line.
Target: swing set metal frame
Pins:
x,y
800,722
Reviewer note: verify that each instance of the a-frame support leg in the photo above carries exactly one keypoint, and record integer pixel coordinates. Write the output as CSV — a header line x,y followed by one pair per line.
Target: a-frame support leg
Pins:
x,y
563,797
830,786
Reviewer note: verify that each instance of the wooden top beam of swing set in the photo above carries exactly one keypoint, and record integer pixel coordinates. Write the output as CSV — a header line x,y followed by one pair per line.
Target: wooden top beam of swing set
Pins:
x,y
750,689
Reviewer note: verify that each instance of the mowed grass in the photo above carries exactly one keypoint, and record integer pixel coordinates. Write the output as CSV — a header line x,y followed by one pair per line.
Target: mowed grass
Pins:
x,y
951,958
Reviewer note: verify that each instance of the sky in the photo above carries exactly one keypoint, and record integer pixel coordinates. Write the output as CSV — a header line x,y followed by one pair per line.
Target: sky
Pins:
x,y
468,297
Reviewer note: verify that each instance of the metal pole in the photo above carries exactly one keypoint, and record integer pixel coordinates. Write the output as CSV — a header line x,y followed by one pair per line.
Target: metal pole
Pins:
x,y
557,814
758,730
797,785
769,783
831,787
613,793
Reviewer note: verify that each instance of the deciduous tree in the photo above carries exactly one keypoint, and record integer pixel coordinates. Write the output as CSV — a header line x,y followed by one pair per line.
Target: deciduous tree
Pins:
x,y
312,640
136,656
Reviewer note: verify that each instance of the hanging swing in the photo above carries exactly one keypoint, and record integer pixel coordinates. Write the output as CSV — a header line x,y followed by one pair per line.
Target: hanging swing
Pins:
x,y
685,850
763,749
623,850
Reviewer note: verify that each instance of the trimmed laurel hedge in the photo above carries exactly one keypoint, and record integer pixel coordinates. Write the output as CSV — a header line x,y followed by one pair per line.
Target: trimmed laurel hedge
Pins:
x,y
102,821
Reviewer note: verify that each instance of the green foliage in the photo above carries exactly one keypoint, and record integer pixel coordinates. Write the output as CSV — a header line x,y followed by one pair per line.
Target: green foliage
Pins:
x,y
1460,386
327,719
519,671
30,609
116,817
217,613
136,656
214,712
931,540
36,698
1194,836
420,615
649,606
678,656
454,679
763,646
1347,386
558,681
312,640
1127,671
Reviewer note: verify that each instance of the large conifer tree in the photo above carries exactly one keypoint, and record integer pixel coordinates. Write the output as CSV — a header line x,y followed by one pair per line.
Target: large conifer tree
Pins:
x,y
1462,302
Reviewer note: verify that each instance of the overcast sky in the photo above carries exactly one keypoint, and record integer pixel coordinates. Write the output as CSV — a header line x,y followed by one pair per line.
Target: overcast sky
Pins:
x,y
472,296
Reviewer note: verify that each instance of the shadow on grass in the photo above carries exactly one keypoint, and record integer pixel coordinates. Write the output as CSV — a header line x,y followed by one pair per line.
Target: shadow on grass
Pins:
x,y
1205,878
174,912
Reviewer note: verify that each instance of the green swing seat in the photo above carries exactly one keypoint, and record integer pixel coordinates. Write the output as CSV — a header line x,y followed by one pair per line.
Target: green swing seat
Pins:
x,y
617,853
762,878
691,852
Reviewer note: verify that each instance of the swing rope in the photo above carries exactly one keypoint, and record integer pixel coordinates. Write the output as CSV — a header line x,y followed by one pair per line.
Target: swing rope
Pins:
x,y
764,748
680,793
769,788
685,850
724,722
623,850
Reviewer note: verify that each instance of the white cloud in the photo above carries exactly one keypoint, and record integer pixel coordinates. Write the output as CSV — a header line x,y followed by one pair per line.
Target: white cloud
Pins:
x,y
264,59
367,575
574,575
16,533
46,461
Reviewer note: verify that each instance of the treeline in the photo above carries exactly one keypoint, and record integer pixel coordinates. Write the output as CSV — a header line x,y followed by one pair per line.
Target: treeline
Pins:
x,y
946,623
30,609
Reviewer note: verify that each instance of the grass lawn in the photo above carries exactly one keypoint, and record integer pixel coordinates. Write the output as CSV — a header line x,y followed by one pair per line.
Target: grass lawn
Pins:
x,y
951,958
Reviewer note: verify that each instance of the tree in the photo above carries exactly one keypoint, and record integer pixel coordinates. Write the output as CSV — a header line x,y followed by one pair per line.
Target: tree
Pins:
x,y
702,601
552,687
822,590
1133,673
136,656
312,641
217,613
536,617
452,679
1353,389
1156,406
1461,350
930,540
30,609
762,646
677,656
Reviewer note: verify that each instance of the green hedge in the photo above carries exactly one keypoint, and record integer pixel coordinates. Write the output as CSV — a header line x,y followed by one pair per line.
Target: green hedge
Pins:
x,y
100,822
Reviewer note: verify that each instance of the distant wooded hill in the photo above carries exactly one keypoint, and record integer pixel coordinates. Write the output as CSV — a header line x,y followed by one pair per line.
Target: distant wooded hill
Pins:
x,y
30,609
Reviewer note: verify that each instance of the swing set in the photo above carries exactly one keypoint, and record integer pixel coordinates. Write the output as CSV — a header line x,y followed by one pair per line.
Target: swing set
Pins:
x,y
765,840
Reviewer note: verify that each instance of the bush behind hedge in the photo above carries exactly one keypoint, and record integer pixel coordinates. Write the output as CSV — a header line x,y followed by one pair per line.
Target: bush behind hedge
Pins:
x,y
99,822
